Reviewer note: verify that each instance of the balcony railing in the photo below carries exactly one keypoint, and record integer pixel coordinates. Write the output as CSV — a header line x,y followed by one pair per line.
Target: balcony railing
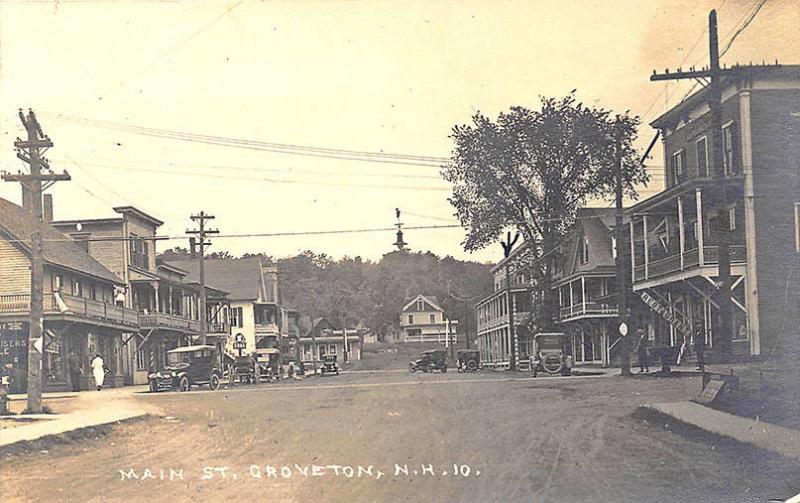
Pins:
x,y
691,259
70,305
266,329
589,309
216,327
168,321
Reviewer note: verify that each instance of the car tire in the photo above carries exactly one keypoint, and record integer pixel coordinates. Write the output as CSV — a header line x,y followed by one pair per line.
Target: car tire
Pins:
x,y
444,370
183,384
153,386
472,365
213,383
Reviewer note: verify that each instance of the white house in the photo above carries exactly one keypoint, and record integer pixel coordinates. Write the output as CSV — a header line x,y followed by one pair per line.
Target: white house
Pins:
x,y
423,320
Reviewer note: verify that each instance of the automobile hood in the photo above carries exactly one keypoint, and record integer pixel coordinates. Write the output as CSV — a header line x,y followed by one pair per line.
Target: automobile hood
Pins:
x,y
174,367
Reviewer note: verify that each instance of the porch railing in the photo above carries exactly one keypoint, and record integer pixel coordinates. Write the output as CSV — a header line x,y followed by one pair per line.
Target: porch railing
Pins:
x,y
77,306
170,321
266,328
590,309
691,258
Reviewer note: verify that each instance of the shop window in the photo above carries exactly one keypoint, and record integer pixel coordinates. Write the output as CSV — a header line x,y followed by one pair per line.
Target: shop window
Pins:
x,y
332,349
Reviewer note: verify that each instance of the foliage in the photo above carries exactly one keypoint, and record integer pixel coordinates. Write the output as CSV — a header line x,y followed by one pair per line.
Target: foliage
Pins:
x,y
531,170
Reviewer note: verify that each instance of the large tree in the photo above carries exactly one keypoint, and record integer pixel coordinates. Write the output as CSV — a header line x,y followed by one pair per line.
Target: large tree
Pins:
x,y
530,171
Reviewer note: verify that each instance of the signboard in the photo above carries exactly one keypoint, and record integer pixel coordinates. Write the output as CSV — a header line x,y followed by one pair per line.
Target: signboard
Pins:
x,y
669,316
14,352
710,392
623,328
239,343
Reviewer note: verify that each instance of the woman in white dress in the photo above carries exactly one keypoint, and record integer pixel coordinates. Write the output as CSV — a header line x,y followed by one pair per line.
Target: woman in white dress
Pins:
x,y
98,370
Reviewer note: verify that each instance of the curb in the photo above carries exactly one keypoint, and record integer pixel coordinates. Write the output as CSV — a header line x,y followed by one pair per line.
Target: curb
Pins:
x,y
66,436
651,414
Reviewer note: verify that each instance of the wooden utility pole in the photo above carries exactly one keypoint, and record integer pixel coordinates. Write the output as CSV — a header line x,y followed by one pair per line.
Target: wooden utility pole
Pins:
x,y
719,224
619,262
508,245
31,151
201,232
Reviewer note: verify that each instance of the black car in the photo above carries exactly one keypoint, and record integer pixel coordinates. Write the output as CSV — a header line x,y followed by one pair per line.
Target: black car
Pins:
x,y
435,359
329,365
186,367
550,354
469,360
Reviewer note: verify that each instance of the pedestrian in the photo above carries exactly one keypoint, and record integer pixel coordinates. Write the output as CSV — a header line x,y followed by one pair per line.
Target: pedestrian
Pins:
x,y
98,371
699,347
641,351
75,370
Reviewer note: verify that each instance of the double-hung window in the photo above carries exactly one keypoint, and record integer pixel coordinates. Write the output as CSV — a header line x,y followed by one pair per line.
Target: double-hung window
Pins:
x,y
702,157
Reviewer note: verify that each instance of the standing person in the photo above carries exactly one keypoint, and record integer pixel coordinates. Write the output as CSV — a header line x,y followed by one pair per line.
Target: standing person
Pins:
x,y
98,371
75,370
641,351
700,346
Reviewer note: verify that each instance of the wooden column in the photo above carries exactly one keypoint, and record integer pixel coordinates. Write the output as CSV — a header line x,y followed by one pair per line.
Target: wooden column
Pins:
x,y
646,250
681,236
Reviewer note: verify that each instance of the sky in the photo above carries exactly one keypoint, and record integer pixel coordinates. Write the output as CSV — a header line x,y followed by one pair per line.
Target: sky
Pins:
x,y
376,76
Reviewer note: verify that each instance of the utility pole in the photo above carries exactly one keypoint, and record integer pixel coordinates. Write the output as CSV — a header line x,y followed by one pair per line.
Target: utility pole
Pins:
x,y
508,244
31,151
467,301
619,263
719,224
201,232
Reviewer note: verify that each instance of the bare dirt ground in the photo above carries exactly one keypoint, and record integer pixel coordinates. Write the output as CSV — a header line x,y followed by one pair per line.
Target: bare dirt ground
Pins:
x,y
552,439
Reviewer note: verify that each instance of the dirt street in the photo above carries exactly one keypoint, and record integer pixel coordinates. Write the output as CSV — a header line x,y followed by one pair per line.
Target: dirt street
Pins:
x,y
398,437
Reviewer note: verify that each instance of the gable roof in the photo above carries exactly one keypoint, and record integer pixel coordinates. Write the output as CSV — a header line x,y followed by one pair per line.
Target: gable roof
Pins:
x,y
597,225
240,277
57,248
430,299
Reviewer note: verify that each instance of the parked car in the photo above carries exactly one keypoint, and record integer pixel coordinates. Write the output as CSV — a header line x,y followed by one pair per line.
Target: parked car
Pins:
x,y
435,359
469,360
186,367
329,365
549,354
268,362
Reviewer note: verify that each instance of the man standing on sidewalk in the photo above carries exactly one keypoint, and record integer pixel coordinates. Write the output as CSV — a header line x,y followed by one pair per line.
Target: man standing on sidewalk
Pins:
x,y
75,370
699,346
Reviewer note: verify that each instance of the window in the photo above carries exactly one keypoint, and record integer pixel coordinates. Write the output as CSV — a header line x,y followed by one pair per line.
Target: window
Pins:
x,y
433,318
420,305
702,157
678,166
797,226
732,218
58,282
727,149
332,349
93,292
585,250
237,317
77,288
141,358
139,252
410,319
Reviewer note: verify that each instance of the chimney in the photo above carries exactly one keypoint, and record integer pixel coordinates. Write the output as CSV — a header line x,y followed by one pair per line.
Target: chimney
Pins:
x,y
47,208
27,198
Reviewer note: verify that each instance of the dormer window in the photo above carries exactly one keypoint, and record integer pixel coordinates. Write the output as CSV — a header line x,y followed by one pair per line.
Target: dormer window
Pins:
x,y
420,305
585,250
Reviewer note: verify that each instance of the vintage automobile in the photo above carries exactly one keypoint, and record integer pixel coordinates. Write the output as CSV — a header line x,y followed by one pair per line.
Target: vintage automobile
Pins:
x,y
267,360
329,365
469,360
550,355
434,359
186,367
243,370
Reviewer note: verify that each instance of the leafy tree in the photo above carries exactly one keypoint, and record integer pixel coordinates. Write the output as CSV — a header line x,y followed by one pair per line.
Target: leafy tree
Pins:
x,y
530,171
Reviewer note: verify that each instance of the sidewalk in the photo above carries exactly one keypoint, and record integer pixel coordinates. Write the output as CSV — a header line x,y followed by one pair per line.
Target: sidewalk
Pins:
x,y
89,409
770,437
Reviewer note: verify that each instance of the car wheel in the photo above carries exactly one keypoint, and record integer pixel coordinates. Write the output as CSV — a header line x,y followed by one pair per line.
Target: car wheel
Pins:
x,y
552,364
213,384
153,386
472,365
184,385
444,370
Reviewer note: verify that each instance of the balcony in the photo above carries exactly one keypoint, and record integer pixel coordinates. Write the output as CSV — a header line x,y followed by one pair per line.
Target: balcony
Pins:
x,y
164,321
266,329
93,310
218,328
587,310
691,259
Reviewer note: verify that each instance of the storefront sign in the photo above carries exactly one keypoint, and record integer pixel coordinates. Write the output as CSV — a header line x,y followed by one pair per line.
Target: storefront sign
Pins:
x,y
665,313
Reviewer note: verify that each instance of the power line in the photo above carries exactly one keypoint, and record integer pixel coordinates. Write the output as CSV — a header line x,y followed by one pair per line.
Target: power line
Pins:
x,y
281,148
286,181
740,30
247,235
